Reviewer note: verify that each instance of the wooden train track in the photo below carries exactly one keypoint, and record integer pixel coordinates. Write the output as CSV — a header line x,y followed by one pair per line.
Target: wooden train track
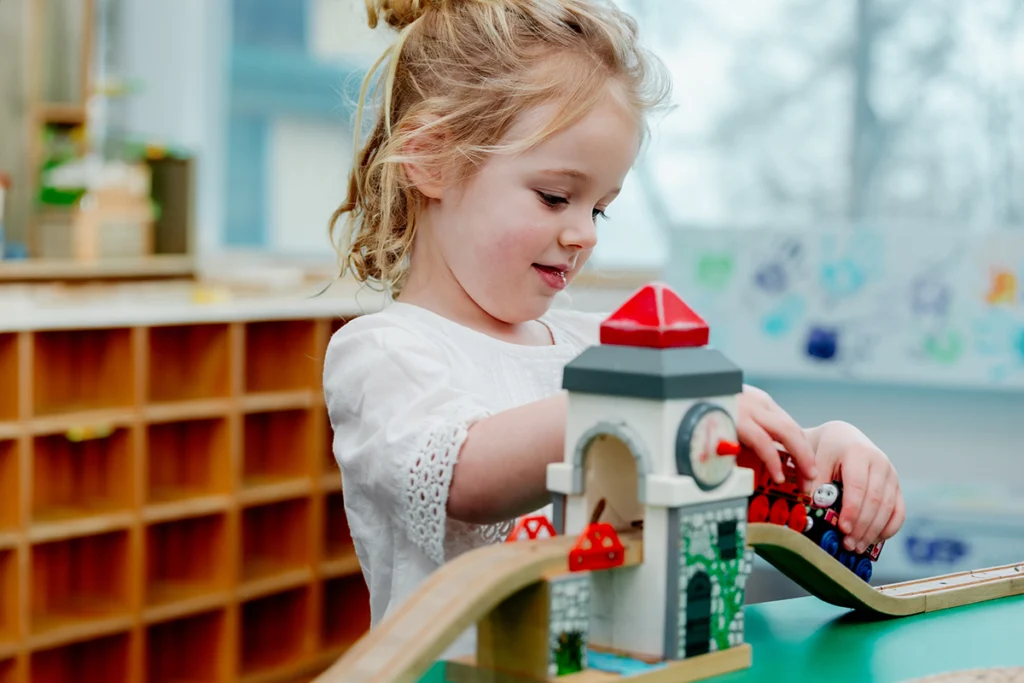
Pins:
x,y
453,598
816,571
458,595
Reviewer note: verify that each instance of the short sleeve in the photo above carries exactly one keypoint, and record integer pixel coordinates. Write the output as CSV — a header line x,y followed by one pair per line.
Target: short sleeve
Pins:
x,y
399,425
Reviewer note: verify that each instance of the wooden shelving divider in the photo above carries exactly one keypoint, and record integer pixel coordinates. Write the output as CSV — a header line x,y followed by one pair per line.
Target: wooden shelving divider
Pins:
x,y
172,510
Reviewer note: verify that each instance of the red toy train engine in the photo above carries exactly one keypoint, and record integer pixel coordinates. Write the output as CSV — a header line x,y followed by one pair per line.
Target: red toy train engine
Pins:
x,y
815,517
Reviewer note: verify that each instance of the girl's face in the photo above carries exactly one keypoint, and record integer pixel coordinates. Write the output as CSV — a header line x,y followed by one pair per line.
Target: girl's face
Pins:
x,y
503,243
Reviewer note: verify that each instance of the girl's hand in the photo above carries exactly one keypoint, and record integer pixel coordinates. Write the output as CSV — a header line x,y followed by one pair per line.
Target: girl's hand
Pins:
x,y
873,508
761,423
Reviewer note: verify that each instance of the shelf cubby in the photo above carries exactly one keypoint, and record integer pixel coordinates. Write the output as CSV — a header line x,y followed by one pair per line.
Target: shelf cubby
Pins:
x,y
346,611
8,596
102,659
8,377
11,487
330,465
188,459
189,362
8,671
79,579
337,537
189,649
186,558
73,479
82,370
274,631
171,509
276,446
281,356
275,538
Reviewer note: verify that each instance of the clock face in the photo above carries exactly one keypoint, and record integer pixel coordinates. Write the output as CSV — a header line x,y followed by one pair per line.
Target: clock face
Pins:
x,y
706,445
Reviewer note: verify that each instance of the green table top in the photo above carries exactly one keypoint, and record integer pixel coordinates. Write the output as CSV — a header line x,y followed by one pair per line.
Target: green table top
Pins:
x,y
809,640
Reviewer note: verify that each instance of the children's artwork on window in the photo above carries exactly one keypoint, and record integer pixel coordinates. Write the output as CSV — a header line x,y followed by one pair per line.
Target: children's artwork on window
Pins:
x,y
899,305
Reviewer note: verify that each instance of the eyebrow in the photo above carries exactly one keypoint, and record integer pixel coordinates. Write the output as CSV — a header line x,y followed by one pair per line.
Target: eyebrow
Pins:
x,y
569,173
576,174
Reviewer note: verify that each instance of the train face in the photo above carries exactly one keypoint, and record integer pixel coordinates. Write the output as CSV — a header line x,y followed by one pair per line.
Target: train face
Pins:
x,y
815,516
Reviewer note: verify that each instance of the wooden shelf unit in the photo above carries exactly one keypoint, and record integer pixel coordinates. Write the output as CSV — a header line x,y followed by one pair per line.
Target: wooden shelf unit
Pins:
x,y
172,510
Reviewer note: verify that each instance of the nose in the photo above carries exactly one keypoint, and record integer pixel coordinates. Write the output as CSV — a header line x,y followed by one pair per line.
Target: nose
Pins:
x,y
579,232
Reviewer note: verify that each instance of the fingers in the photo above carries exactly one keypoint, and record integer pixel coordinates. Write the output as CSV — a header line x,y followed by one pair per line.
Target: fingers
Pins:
x,y
899,515
884,511
784,429
854,477
753,436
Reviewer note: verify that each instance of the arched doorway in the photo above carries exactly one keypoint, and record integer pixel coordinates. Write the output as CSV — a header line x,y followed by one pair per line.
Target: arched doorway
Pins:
x,y
698,615
611,475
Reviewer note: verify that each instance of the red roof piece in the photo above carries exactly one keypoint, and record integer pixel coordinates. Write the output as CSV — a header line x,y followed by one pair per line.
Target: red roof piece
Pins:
x,y
656,317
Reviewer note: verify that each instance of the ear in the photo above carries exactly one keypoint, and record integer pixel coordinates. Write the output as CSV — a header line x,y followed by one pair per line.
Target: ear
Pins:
x,y
420,153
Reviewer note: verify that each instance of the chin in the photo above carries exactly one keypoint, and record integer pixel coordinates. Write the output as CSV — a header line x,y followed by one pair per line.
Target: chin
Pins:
x,y
523,311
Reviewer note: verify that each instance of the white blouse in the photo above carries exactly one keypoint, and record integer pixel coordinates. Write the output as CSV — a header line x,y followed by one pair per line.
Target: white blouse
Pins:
x,y
402,387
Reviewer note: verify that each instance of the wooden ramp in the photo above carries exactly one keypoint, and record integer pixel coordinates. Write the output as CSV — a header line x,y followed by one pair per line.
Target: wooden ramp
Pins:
x,y
456,596
821,575
462,592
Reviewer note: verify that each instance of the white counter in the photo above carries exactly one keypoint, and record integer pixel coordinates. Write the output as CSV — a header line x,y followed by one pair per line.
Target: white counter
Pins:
x,y
48,307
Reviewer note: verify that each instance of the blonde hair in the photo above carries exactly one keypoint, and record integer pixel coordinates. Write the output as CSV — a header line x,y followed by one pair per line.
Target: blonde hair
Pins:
x,y
462,71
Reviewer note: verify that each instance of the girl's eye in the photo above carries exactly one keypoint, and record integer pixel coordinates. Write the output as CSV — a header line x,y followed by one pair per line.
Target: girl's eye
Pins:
x,y
551,199
599,212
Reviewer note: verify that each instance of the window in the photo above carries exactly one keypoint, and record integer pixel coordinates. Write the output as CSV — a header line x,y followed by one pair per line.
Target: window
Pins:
x,y
848,112
727,545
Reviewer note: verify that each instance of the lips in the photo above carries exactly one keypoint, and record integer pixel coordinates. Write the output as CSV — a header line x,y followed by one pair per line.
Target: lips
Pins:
x,y
552,276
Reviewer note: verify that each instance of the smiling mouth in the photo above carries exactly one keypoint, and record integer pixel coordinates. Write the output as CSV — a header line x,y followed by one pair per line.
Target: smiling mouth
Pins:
x,y
552,275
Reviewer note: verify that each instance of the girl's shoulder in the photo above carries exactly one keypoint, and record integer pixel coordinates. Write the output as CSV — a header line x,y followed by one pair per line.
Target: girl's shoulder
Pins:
x,y
377,358
384,332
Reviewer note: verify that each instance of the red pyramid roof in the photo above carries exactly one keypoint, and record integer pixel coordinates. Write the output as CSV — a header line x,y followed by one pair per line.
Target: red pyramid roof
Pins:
x,y
654,316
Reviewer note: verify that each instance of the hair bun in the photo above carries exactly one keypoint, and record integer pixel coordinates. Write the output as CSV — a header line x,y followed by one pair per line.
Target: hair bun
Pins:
x,y
397,13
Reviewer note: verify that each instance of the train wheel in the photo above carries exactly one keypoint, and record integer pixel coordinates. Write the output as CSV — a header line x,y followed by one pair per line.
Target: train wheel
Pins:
x,y
830,542
798,518
780,512
851,561
758,509
863,569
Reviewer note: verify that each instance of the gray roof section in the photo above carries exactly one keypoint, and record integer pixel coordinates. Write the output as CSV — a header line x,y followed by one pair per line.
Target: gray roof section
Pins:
x,y
660,374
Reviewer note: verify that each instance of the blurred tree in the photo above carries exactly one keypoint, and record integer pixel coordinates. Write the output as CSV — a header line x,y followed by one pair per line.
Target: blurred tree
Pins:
x,y
861,111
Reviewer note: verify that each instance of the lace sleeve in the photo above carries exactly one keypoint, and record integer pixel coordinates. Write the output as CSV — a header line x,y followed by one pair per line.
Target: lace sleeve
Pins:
x,y
399,427
428,476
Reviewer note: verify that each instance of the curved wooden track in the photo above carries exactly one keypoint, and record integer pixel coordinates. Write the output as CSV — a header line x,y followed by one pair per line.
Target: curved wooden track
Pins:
x,y
459,594
821,575
456,596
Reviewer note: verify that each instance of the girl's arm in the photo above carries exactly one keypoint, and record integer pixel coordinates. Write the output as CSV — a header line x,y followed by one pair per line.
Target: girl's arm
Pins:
x,y
501,471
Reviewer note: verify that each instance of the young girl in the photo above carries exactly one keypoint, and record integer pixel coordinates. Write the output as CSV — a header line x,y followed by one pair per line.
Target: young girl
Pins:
x,y
506,131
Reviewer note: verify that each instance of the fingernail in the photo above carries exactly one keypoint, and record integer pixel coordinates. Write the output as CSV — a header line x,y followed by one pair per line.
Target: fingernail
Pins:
x,y
780,478
848,543
847,527
814,473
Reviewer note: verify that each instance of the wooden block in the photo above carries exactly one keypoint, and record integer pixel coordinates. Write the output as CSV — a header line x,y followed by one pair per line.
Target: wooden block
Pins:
x,y
513,637
1000,675
737,658
465,670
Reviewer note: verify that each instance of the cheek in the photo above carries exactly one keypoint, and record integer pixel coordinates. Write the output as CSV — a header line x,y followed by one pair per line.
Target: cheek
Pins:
x,y
522,236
